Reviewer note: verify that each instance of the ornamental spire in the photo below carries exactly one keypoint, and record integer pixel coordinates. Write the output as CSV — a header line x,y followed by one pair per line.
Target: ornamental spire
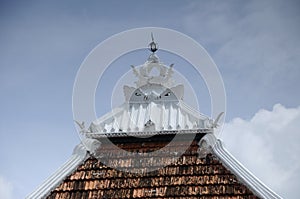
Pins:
x,y
153,47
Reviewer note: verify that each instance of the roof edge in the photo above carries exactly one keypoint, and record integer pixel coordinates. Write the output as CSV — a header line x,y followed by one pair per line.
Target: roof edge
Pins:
x,y
79,155
92,136
255,185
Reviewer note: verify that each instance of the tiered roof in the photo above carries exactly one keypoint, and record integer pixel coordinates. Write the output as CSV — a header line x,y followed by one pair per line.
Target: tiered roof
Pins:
x,y
127,152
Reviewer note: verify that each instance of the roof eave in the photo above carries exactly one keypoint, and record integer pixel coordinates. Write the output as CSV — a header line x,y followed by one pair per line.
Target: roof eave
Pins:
x,y
149,133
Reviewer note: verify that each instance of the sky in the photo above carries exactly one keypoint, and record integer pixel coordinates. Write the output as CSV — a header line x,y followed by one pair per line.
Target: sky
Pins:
x,y
255,45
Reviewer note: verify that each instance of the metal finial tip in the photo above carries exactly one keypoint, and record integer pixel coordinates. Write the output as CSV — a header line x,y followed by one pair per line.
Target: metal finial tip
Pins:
x,y
153,47
152,37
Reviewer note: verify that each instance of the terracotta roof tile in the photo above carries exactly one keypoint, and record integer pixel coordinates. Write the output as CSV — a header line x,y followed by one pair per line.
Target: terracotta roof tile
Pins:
x,y
189,177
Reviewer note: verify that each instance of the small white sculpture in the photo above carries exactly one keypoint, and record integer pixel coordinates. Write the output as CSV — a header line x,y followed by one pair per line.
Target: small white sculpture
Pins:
x,y
144,77
215,124
81,126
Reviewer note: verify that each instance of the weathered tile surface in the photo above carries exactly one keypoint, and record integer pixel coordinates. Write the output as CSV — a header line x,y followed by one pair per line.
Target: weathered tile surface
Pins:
x,y
190,176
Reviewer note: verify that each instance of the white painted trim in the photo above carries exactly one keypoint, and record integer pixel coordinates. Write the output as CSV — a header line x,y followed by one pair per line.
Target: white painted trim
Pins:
x,y
79,155
243,174
145,133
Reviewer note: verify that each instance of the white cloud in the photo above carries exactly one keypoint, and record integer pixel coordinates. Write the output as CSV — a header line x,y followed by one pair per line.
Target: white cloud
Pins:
x,y
6,189
268,145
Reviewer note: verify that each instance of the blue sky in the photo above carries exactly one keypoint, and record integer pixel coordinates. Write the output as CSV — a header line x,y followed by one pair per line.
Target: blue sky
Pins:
x,y
255,45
